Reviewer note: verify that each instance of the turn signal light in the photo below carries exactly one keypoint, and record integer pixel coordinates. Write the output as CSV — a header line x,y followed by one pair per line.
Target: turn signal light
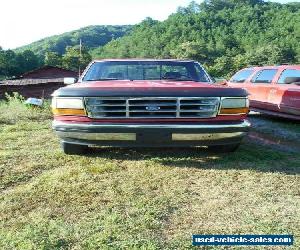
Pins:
x,y
68,112
234,111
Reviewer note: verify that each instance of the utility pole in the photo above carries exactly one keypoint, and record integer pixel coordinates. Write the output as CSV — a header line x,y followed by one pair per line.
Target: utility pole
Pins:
x,y
80,54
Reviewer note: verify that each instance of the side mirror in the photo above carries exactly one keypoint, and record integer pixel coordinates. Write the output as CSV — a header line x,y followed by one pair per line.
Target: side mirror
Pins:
x,y
220,81
292,80
69,80
225,83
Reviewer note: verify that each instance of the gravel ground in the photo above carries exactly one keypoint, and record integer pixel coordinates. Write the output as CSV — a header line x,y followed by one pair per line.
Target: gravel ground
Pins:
x,y
277,132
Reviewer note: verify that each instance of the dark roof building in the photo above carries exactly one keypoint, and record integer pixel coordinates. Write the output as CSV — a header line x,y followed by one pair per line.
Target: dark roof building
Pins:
x,y
39,83
49,72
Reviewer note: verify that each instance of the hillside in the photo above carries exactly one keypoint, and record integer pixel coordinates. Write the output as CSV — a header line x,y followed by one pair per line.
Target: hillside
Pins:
x,y
224,35
92,36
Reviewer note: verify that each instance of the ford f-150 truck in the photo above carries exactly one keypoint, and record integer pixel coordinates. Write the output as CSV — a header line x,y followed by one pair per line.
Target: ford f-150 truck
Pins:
x,y
148,103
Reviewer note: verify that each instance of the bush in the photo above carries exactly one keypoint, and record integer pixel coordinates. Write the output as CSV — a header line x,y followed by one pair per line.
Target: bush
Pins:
x,y
13,109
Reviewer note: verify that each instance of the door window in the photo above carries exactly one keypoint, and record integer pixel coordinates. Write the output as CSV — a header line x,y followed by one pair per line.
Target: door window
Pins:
x,y
241,76
264,76
289,76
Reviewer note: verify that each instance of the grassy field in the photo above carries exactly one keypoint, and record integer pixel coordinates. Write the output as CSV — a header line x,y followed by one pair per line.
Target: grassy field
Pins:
x,y
136,198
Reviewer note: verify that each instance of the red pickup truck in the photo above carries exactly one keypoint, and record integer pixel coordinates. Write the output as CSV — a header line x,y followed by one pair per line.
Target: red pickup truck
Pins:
x,y
274,90
148,103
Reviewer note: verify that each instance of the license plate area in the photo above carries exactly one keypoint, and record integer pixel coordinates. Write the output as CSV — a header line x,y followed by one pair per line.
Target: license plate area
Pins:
x,y
153,137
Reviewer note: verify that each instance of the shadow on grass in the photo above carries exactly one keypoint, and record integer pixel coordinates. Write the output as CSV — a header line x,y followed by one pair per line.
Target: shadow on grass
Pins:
x,y
280,119
256,119
249,156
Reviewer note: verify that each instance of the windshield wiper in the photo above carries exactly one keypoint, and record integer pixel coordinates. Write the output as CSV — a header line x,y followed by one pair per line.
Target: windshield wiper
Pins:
x,y
103,79
179,79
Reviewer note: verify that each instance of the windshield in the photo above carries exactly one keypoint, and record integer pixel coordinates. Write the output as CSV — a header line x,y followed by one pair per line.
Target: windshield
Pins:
x,y
146,70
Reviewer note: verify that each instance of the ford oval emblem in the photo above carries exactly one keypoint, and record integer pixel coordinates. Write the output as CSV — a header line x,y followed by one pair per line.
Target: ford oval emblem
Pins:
x,y
152,108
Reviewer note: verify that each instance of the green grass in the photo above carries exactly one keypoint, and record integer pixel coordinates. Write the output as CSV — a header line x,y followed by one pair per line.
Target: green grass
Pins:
x,y
135,198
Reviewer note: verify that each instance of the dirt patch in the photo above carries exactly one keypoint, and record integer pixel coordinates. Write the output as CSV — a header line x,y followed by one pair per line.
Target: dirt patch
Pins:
x,y
281,144
283,134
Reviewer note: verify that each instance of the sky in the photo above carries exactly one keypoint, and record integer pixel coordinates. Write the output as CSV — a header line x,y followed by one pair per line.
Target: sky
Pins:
x,y
25,21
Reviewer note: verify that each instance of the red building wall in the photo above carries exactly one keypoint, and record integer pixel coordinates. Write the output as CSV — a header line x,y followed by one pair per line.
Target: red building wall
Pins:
x,y
40,90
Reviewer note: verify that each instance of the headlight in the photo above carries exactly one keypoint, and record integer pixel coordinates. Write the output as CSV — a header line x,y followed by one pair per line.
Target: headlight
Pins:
x,y
68,106
234,106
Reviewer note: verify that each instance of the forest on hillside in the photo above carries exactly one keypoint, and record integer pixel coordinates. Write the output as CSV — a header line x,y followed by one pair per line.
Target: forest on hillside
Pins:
x,y
59,50
91,36
224,35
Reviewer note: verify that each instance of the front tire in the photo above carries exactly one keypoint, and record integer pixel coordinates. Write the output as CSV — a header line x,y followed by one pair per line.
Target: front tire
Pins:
x,y
224,148
73,149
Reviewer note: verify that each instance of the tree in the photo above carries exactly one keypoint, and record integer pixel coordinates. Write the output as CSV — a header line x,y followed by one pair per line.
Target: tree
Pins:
x,y
53,59
72,59
268,55
92,36
27,61
192,8
8,64
224,35
191,50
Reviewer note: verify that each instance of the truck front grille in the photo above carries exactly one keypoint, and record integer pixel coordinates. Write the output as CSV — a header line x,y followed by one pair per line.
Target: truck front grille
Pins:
x,y
152,107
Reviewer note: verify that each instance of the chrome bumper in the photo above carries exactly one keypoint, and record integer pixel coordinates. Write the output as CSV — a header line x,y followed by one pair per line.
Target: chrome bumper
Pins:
x,y
151,134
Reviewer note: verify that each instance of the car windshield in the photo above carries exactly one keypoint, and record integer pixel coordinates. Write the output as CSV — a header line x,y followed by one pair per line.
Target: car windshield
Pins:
x,y
146,70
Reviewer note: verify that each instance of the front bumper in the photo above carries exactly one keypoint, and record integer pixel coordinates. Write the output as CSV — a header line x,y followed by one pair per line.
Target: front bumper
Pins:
x,y
151,135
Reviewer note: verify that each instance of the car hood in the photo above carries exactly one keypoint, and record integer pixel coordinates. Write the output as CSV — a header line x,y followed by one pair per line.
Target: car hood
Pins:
x,y
148,88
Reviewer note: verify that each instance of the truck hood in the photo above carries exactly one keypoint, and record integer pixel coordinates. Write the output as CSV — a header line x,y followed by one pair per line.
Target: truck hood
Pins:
x,y
148,88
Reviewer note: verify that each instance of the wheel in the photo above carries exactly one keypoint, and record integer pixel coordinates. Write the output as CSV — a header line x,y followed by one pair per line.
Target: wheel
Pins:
x,y
224,148
73,149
